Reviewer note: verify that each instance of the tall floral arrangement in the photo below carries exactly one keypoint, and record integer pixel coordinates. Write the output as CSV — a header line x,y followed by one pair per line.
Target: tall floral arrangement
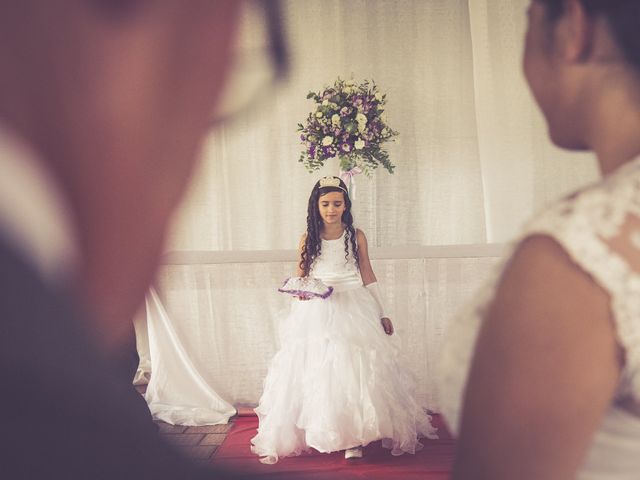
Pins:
x,y
347,122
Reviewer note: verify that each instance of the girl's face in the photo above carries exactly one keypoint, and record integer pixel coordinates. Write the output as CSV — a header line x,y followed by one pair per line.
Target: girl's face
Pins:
x,y
331,207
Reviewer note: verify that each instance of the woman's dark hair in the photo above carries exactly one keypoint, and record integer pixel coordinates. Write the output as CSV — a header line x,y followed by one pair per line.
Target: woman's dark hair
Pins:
x,y
313,243
623,17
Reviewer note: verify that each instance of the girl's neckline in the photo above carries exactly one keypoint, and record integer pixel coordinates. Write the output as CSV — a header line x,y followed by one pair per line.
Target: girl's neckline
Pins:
x,y
334,239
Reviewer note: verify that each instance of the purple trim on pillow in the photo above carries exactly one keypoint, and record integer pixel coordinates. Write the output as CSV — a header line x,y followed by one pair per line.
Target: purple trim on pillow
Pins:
x,y
307,294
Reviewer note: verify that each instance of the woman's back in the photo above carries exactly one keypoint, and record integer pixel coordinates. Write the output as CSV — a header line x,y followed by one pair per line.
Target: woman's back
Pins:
x,y
599,229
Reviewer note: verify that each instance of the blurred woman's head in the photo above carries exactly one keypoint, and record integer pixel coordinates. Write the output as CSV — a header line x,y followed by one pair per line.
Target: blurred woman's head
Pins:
x,y
574,49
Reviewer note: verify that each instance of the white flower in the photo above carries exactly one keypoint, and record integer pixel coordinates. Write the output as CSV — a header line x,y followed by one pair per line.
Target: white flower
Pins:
x,y
359,145
328,140
378,96
335,120
325,102
350,83
349,90
362,122
319,114
383,117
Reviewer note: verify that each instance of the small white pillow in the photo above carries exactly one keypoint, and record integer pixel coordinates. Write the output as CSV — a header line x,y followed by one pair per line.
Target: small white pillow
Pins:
x,y
306,287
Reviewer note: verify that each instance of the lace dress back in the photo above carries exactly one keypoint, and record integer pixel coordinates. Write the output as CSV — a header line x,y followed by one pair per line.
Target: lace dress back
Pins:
x,y
599,228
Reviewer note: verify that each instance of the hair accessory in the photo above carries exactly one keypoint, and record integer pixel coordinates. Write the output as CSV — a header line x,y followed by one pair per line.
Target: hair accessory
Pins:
x,y
332,182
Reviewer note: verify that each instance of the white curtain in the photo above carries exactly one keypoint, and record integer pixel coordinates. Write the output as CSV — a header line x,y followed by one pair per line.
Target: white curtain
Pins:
x,y
143,373
178,393
473,159
521,170
473,162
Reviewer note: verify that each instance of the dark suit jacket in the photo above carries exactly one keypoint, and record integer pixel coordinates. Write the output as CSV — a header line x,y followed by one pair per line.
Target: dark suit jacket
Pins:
x,y
64,411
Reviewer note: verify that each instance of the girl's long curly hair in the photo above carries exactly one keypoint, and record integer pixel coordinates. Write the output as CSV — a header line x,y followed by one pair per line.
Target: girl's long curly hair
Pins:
x,y
313,243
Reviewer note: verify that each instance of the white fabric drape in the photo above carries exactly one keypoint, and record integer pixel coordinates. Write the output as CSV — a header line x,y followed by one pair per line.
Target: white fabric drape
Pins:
x,y
473,161
143,374
177,392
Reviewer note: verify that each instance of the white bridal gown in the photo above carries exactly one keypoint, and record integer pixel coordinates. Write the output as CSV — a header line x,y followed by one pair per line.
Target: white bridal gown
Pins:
x,y
338,381
595,226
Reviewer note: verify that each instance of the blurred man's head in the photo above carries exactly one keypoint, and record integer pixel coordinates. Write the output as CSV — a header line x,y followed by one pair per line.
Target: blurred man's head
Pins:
x,y
115,96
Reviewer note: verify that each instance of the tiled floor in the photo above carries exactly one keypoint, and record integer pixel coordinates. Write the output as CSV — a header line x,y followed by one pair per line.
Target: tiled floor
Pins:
x,y
198,443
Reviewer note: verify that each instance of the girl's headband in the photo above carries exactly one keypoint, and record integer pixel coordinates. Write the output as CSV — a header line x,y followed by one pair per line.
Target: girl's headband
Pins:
x,y
332,182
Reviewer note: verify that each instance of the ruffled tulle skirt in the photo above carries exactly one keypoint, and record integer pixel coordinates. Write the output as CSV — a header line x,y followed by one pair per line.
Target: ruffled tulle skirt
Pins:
x,y
337,382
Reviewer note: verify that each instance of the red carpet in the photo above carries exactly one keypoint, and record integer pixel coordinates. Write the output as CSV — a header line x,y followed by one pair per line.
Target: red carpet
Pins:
x,y
431,463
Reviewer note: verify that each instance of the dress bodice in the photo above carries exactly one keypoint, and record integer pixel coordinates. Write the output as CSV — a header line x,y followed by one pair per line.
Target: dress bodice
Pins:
x,y
599,229
335,267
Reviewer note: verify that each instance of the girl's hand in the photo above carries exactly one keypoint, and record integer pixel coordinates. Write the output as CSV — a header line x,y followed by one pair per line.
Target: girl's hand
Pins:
x,y
387,325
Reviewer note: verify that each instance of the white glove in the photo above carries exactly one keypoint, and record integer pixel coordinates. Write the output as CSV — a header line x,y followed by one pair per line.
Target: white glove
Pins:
x,y
374,290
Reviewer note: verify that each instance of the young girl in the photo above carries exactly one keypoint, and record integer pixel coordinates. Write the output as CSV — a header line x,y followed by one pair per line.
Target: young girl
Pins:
x,y
337,382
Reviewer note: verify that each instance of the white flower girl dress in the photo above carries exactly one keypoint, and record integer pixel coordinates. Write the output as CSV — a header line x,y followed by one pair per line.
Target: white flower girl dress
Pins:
x,y
338,381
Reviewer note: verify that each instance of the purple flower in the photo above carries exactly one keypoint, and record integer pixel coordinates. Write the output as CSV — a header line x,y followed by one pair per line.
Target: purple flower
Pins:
x,y
345,147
